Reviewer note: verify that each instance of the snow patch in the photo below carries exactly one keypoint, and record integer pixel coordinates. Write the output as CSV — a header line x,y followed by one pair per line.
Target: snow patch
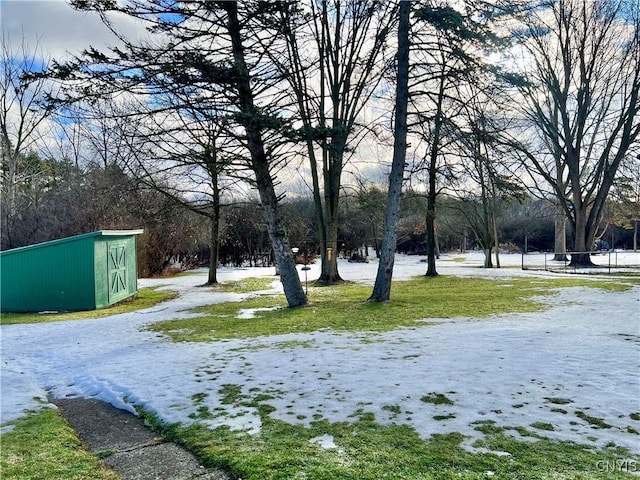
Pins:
x,y
325,441
248,313
506,369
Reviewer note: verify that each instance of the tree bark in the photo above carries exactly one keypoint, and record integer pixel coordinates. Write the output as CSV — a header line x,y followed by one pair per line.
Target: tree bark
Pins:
x,y
583,239
487,258
494,220
495,236
560,233
214,244
487,239
432,194
382,287
431,239
289,277
329,259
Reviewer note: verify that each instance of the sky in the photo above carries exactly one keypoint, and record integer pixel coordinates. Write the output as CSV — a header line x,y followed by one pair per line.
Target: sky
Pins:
x,y
517,370
56,28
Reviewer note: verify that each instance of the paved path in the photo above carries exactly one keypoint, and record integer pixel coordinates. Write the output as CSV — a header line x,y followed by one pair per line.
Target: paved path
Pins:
x,y
128,446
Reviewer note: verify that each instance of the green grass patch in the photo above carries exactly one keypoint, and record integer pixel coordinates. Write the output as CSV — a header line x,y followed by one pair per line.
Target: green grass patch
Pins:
x,y
558,401
393,409
231,393
199,398
145,298
440,418
488,427
246,285
559,410
543,426
595,422
344,307
187,273
437,399
285,345
629,277
368,450
43,446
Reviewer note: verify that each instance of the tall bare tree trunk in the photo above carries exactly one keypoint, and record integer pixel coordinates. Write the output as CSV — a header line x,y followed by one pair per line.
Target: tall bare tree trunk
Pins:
x,y
214,245
584,103
382,287
560,243
431,241
329,266
494,219
486,227
583,238
495,235
20,117
432,194
293,289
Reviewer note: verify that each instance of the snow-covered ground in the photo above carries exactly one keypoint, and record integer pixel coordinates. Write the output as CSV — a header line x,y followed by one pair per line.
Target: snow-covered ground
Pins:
x,y
580,355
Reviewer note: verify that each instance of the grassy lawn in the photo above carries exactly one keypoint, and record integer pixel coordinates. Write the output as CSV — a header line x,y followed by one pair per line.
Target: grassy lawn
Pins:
x,y
43,446
146,297
245,285
343,307
364,449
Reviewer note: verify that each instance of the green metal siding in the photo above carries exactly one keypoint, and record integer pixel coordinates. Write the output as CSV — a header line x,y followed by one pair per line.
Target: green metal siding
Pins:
x,y
48,277
69,274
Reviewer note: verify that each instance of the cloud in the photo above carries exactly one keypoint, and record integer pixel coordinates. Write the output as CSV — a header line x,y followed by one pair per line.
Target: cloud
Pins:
x,y
54,27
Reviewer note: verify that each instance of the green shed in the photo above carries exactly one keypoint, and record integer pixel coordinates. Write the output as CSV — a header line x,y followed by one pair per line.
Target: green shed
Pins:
x,y
84,272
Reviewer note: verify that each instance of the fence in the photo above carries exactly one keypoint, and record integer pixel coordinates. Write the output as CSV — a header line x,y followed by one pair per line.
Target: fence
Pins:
x,y
619,262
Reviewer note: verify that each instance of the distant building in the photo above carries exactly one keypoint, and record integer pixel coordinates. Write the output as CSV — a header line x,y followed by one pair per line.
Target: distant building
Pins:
x,y
84,272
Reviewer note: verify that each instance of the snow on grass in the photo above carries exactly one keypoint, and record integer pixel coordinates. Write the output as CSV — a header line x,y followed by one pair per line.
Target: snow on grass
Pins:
x,y
324,441
569,372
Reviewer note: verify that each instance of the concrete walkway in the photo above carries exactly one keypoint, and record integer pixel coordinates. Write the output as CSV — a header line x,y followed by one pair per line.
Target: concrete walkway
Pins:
x,y
129,447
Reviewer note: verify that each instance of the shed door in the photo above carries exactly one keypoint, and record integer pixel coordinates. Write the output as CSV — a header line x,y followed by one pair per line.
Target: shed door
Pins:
x,y
117,270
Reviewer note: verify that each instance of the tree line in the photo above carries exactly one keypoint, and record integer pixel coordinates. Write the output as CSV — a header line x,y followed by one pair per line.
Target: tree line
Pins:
x,y
471,105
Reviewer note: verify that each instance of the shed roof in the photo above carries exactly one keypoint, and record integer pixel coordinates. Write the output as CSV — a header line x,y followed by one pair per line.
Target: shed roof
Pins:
x,y
97,233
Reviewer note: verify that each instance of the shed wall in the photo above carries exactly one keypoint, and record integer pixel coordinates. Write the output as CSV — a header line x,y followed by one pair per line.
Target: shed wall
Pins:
x,y
56,276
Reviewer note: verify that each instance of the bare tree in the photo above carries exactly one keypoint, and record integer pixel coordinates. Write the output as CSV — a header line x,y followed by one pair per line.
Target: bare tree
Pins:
x,y
334,58
382,286
21,115
487,181
627,196
581,66
190,164
450,45
212,55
